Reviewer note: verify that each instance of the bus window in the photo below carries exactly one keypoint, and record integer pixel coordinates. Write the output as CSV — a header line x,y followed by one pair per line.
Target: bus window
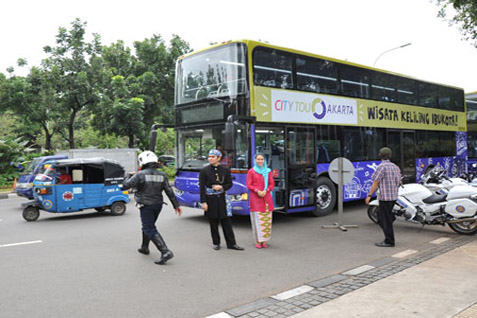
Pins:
x,y
472,128
316,75
195,143
406,91
383,87
272,68
327,144
428,95
354,81
435,144
449,99
212,74
300,147
362,143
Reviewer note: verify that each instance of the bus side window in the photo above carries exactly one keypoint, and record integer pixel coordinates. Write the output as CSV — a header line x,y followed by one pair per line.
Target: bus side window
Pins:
x,y
272,68
354,81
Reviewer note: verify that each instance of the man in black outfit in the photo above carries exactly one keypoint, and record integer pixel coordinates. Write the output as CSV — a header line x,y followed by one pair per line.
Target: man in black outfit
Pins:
x,y
214,181
149,184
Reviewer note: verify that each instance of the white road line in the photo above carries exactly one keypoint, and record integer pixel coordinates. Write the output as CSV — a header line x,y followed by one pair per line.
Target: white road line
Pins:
x,y
404,254
21,243
293,292
440,240
358,270
220,315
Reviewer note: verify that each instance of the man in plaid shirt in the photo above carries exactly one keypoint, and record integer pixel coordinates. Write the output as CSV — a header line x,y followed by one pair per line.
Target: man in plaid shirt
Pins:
x,y
388,178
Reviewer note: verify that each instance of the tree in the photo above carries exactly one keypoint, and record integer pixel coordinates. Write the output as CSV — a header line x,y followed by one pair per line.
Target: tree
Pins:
x,y
464,15
78,64
155,70
126,115
32,100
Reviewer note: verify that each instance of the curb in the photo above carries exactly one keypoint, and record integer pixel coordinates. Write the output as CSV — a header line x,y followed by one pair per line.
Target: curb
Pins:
x,y
323,290
8,195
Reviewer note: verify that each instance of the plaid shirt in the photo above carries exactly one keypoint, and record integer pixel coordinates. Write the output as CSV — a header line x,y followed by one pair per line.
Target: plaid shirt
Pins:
x,y
389,177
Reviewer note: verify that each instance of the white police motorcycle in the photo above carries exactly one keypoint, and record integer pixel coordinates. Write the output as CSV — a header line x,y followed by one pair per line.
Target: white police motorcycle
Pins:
x,y
435,179
418,204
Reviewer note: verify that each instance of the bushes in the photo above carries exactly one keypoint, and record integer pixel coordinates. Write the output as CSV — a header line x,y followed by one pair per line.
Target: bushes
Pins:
x,y
170,172
10,151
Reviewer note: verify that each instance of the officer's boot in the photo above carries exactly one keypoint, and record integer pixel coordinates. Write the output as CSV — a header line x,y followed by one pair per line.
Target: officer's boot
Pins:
x,y
144,249
166,254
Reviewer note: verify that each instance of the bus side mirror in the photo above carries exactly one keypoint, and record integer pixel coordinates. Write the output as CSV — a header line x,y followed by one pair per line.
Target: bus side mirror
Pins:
x,y
152,140
229,136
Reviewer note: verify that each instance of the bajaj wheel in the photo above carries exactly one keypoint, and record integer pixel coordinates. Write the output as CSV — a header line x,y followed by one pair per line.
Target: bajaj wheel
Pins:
x,y
373,213
118,208
101,209
31,213
465,228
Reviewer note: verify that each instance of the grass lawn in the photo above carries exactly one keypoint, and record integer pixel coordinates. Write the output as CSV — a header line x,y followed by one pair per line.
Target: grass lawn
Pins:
x,y
8,188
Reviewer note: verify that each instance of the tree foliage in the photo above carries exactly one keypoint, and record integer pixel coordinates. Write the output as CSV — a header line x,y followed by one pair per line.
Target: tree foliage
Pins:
x,y
464,15
85,94
78,64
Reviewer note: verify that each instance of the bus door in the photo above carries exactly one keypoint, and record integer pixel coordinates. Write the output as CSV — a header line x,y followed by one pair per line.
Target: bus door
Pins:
x,y
403,146
301,167
271,143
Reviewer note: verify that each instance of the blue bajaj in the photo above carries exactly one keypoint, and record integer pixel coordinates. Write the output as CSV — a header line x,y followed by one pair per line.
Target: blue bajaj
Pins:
x,y
72,185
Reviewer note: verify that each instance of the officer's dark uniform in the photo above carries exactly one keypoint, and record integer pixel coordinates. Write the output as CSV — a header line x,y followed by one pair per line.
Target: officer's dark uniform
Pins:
x,y
149,184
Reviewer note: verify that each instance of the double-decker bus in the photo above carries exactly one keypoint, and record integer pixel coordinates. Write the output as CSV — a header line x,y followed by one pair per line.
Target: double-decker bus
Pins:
x,y
471,106
301,111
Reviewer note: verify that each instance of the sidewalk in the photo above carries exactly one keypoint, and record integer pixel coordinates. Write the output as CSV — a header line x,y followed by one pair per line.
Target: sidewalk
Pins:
x,y
8,195
441,287
438,282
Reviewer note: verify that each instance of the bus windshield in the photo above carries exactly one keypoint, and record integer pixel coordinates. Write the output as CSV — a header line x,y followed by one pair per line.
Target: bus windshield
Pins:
x,y
211,74
195,143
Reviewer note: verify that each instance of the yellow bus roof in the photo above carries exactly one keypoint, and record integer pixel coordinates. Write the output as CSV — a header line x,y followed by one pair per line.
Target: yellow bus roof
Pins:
x,y
252,44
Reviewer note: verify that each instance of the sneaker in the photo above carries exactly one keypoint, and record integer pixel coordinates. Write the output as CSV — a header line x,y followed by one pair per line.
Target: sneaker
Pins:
x,y
264,245
384,244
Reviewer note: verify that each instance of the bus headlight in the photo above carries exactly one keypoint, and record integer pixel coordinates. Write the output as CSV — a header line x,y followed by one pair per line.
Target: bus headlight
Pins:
x,y
239,197
177,191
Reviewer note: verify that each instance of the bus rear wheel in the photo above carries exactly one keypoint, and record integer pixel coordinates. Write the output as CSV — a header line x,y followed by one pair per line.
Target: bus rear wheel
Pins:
x,y
325,196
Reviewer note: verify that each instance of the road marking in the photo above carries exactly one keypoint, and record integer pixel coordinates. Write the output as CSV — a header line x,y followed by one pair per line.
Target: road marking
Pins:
x,y
404,254
220,315
293,292
440,240
21,243
358,270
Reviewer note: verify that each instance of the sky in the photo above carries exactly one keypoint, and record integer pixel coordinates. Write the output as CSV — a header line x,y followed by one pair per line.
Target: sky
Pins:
x,y
356,31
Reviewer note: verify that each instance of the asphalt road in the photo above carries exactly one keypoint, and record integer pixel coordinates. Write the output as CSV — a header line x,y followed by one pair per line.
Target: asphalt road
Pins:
x,y
86,264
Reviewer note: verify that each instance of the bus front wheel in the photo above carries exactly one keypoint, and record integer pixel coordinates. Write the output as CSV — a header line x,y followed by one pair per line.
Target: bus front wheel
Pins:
x,y
325,196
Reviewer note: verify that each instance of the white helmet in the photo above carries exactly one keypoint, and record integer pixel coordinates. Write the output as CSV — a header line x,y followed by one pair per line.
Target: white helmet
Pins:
x,y
147,157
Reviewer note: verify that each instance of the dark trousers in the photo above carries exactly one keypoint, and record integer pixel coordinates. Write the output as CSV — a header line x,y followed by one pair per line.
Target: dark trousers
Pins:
x,y
149,215
386,219
226,228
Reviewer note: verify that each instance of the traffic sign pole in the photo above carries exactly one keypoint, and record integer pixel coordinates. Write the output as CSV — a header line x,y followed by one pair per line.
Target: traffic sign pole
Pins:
x,y
341,170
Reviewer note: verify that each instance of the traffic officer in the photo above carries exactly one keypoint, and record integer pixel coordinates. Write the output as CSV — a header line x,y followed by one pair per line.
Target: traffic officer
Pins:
x,y
149,184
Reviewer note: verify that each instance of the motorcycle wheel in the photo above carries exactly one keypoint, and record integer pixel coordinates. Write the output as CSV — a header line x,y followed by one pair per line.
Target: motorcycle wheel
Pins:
x,y
464,228
373,213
